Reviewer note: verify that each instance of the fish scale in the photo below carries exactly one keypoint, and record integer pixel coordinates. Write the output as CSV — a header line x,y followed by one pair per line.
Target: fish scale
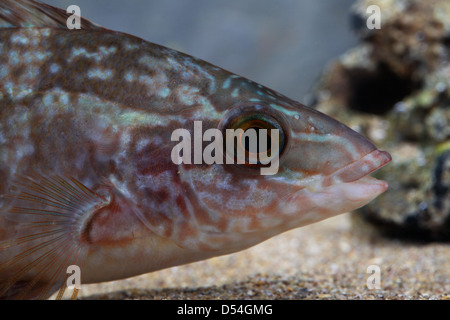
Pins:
x,y
86,125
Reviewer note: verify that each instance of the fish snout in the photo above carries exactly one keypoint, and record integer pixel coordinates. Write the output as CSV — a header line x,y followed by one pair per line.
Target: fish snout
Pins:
x,y
359,168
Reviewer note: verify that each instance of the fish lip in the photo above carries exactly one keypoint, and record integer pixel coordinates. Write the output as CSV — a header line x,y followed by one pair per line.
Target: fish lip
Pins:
x,y
360,168
345,190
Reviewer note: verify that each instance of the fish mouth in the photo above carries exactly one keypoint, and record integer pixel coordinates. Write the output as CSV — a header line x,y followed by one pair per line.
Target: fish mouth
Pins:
x,y
355,171
353,182
348,188
360,168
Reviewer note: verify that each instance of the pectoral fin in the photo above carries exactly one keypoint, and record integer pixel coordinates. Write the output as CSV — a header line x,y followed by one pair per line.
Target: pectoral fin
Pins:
x,y
47,214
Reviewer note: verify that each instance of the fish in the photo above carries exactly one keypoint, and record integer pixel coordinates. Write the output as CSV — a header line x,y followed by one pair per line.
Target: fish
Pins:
x,y
89,183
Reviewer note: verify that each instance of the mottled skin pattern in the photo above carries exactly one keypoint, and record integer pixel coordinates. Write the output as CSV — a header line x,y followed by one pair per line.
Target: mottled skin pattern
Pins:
x,y
86,118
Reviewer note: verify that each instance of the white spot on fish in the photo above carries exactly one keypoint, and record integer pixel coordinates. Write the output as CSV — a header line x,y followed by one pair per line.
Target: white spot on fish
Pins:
x,y
45,32
142,144
40,56
98,73
28,149
78,52
19,38
208,109
22,92
107,51
195,69
48,100
174,64
4,72
130,76
235,93
188,95
54,68
53,101
226,83
9,88
284,110
14,57
64,99
147,61
31,58
164,93
153,83
146,80
130,46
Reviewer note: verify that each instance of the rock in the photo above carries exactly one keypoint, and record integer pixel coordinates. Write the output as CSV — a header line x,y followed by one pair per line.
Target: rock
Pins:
x,y
395,88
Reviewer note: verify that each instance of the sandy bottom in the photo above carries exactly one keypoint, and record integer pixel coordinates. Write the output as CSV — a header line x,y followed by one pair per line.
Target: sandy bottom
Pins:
x,y
327,260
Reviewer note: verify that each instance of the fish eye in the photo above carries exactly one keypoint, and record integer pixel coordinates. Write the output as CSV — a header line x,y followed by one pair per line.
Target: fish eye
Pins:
x,y
253,135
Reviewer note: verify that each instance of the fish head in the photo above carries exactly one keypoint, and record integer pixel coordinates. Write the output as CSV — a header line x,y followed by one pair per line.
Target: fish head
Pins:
x,y
319,168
